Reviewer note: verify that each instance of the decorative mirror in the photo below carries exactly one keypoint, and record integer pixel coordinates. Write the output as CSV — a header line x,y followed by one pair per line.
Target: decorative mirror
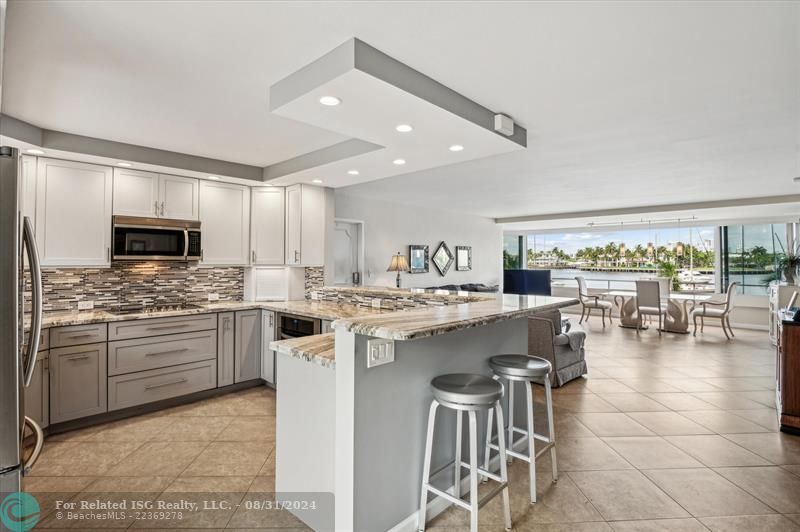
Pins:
x,y
443,258
463,258
417,258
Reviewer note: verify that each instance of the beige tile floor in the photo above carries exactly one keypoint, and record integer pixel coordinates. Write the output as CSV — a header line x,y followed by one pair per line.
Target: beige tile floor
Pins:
x,y
666,433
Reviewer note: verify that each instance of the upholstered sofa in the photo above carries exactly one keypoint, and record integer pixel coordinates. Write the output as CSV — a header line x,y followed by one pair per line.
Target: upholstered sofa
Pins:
x,y
563,345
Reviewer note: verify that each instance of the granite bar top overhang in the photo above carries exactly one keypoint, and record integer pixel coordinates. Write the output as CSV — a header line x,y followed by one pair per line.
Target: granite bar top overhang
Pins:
x,y
318,349
424,322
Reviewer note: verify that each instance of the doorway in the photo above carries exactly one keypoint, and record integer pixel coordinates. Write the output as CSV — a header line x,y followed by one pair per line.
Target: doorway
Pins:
x,y
348,252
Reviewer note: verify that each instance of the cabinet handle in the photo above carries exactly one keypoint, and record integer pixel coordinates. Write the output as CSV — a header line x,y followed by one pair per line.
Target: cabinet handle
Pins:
x,y
81,357
226,324
162,208
169,383
296,256
162,327
76,336
108,254
271,319
169,352
253,254
155,207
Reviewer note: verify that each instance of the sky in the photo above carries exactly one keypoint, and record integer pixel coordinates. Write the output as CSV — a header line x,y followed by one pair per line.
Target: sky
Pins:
x,y
571,242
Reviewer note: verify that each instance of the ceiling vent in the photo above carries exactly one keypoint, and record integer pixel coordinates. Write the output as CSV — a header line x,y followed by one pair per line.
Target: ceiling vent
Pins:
x,y
504,124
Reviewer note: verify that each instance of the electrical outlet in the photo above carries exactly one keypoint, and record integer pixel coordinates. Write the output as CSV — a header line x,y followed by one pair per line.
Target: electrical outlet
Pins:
x,y
213,297
315,296
376,303
379,352
85,305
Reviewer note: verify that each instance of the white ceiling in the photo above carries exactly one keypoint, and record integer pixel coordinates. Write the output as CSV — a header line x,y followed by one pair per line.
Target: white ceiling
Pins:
x,y
370,110
625,104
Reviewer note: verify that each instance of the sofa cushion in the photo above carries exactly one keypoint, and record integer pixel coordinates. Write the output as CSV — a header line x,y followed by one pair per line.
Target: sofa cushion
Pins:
x,y
555,318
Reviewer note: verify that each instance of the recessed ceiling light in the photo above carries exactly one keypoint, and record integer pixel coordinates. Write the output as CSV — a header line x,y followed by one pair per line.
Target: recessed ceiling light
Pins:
x,y
317,181
34,151
330,101
214,177
124,165
404,128
399,162
456,147
352,172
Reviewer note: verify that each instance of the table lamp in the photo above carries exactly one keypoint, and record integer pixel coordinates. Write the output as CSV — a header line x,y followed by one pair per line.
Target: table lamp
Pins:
x,y
398,264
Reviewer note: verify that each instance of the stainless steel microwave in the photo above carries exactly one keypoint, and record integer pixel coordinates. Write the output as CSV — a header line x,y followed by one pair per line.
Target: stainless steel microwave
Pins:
x,y
138,238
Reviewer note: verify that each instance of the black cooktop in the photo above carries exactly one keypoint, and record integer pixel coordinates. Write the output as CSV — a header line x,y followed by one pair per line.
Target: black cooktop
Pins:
x,y
153,309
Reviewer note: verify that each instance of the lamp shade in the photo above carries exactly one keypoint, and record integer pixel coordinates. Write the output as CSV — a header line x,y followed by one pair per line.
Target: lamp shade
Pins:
x,y
398,264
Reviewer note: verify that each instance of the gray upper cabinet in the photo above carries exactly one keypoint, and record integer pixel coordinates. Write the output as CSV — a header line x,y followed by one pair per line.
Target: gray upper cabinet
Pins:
x,y
225,343
77,381
247,346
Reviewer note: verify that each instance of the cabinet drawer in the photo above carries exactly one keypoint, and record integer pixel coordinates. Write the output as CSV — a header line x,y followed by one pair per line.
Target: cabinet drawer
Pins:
x,y
154,385
123,330
78,335
126,356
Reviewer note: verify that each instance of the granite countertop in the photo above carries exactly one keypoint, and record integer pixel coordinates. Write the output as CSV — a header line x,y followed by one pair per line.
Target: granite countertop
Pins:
x,y
318,349
432,321
419,293
314,309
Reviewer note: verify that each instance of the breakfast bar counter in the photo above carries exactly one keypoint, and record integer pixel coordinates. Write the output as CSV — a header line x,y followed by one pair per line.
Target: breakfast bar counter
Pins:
x,y
355,427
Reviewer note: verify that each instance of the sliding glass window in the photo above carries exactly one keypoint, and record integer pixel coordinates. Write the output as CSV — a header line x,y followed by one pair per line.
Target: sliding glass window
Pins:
x,y
513,251
750,254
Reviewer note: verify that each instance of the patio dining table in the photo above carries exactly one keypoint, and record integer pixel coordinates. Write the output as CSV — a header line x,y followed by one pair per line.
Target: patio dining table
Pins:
x,y
679,306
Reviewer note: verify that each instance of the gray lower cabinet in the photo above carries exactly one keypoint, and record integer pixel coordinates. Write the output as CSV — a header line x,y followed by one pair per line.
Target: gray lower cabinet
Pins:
x,y
141,354
247,346
37,395
155,385
225,342
267,355
77,381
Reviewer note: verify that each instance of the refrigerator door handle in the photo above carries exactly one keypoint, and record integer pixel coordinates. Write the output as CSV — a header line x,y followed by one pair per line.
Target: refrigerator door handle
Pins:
x,y
29,462
36,314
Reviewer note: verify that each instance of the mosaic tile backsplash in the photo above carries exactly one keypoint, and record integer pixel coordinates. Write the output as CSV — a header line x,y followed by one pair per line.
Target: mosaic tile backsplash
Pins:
x,y
315,279
388,297
133,284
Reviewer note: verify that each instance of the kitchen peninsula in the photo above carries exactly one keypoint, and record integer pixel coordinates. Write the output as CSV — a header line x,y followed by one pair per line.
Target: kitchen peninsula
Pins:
x,y
356,428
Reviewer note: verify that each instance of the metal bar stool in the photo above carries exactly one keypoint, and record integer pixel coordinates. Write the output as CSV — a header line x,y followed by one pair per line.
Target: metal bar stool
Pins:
x,y
464,392
527,369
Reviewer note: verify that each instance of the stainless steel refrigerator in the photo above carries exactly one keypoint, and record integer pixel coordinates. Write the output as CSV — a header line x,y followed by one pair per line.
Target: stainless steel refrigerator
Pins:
x,y
20,329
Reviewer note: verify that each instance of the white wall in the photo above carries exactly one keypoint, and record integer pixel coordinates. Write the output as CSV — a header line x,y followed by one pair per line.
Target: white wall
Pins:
x,y
391,227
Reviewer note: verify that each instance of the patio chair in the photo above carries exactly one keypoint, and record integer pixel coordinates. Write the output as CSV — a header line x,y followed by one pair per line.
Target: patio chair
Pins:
x,y
648,303
589,303
718,309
